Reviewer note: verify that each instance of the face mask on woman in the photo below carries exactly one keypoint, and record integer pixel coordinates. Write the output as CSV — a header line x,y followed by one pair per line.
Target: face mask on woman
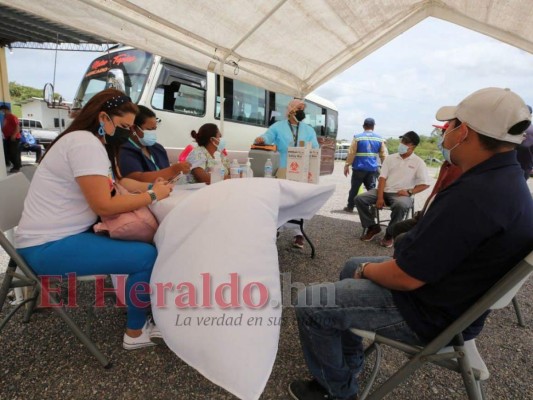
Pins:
x,y
148,139
118,137
221,144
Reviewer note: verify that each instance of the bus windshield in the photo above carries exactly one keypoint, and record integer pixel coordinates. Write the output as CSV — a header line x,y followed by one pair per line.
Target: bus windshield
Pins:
x,y
102,73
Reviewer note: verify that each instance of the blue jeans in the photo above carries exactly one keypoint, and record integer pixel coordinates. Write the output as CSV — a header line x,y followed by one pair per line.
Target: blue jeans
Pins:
x,y
367,178
399,206
90,254
333,354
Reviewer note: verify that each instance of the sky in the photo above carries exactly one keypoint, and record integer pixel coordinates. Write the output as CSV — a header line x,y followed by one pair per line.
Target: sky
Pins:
x,y
401,85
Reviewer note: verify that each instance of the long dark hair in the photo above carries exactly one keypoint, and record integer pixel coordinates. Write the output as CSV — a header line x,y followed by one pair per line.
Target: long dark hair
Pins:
x,y
87,120
206,132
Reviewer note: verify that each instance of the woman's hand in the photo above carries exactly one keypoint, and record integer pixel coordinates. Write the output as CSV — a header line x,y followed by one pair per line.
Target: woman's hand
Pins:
x,y
162,189
183,166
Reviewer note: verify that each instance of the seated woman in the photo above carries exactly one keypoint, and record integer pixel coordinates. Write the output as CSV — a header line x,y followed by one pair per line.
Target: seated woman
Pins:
x,y
141,157
71,188
202,158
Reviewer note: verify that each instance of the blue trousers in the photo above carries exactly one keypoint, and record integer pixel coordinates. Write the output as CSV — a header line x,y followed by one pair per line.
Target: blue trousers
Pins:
x,y
90,254
325,313
367,178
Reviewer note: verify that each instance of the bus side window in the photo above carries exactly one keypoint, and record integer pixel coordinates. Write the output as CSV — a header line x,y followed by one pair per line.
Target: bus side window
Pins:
x,y
169,95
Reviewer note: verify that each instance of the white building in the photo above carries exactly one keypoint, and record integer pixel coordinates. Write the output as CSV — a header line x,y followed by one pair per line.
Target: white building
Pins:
x,y
51,118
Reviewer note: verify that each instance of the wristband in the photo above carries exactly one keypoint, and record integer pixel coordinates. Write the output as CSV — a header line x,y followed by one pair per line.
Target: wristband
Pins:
x,y
153,196
150,186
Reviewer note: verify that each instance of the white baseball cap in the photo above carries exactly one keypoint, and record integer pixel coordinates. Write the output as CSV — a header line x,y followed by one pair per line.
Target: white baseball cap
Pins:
x,y
491,112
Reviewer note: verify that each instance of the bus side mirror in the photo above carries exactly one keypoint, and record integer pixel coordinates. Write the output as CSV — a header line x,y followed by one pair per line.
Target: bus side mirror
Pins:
x,y
48,94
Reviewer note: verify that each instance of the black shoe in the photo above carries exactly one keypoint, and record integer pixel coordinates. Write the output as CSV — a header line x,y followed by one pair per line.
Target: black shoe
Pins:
x,y
348,209
14,170
311,390
308,390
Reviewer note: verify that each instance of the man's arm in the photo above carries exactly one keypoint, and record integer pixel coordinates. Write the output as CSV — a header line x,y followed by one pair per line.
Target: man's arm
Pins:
x,y
383,152
389,275
380,202
413,191
350,157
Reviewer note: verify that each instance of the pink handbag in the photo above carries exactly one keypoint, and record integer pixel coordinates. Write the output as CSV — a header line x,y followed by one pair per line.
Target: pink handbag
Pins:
x,y
139,225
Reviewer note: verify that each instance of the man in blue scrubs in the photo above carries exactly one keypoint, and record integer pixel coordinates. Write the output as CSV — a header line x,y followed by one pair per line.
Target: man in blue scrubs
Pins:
x,y
289,133
475,231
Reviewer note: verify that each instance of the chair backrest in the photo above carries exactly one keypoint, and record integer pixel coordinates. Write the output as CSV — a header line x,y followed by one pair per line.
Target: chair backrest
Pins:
x,y
13,191
508,297
496,297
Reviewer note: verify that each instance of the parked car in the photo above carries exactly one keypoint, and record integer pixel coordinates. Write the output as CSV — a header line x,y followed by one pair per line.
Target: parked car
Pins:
x,y
43,136
341,154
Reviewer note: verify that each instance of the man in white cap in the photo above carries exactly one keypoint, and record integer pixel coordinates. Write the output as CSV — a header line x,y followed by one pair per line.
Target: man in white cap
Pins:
x,y
289,133
475,231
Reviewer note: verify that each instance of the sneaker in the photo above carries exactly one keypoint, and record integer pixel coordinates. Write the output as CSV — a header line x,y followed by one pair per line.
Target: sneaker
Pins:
x,y
348,209
155,335
387,241
311,390
131,343
370,233
298,242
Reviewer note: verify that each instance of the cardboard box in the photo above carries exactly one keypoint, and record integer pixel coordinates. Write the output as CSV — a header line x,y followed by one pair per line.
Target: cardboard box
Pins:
x,y
313,175
297,164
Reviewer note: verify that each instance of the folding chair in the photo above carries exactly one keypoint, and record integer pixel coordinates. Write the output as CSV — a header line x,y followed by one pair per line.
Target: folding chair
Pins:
x,y
382,222
13,190
462,357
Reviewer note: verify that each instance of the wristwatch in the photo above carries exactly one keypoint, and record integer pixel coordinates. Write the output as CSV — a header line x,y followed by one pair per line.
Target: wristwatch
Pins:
x,y
152,196
410,191
360,271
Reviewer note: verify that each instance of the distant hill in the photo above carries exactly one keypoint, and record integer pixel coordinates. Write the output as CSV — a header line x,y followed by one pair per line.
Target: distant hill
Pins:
x,y
19,93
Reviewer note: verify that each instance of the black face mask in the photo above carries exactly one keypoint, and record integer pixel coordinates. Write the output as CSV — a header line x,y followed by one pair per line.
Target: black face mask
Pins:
x,y
300,115
120,136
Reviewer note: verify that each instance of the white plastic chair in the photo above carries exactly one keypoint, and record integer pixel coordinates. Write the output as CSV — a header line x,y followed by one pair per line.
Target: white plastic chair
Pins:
x,y
13,190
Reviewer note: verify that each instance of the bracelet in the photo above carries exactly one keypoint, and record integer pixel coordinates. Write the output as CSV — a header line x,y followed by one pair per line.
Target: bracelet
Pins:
x,y
150,186
153,196
363,266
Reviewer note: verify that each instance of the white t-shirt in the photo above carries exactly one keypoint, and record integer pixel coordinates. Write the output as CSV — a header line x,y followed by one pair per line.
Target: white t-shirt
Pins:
x,y
403,173
55,206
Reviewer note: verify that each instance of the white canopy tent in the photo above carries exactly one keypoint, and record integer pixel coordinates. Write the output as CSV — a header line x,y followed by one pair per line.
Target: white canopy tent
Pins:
x,y
291,46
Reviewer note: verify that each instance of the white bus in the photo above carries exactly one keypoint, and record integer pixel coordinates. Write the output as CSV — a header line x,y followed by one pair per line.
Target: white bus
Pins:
x,y
185,98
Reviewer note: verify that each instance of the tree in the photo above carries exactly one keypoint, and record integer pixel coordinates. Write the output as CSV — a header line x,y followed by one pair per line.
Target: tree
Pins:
x,y
20,93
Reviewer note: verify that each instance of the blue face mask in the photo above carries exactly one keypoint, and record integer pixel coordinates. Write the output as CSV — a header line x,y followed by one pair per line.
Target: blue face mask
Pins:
x,y
149,138
221,144
402,149
447,154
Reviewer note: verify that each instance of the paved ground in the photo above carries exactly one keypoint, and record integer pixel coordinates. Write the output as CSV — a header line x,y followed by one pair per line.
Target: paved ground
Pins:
x,y
42,359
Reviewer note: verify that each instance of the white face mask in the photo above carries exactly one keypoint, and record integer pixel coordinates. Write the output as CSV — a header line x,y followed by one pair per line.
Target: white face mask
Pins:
x,y
447,153
402,149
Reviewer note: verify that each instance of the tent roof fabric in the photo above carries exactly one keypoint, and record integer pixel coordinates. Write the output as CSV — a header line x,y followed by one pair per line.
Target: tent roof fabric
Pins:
x,y
291,46
20,26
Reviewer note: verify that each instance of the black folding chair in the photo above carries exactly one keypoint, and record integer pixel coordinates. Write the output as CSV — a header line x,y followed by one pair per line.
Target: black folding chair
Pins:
x,y
13,190
462,357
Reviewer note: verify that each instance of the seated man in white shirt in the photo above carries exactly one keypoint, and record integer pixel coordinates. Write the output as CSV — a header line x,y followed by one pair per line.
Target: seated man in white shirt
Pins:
x,y
402,175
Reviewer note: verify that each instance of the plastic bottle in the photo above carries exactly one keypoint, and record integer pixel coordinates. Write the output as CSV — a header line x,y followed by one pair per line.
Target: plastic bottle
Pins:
x,y
268,168
234,169
249,170
218,171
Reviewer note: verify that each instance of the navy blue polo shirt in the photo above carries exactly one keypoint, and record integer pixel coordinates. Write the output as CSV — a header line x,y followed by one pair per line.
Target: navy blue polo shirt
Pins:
x,y
475,231
132,159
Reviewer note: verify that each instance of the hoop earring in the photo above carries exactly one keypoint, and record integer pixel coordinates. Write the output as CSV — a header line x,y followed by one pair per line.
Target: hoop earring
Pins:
x,y
101,131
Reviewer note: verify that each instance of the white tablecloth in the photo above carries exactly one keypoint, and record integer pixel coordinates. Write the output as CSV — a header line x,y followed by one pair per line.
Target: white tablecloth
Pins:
x,y
218,260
